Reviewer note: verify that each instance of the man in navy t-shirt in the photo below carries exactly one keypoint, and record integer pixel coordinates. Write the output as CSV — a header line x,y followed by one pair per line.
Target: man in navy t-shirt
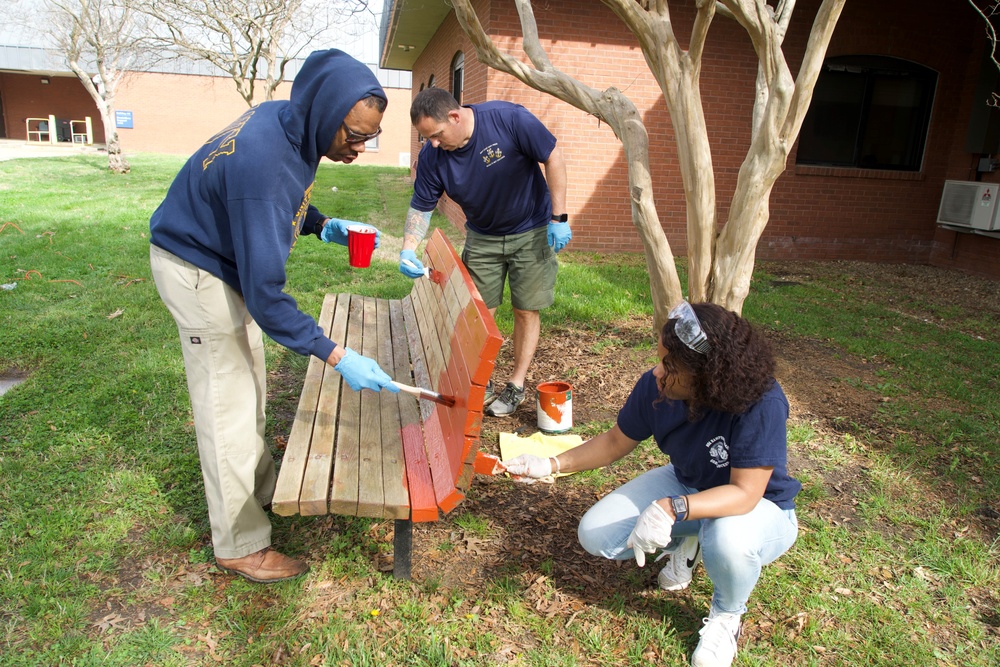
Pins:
x,y
485,157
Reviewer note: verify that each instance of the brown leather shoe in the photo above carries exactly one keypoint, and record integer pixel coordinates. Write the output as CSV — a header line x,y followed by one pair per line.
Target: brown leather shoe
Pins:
x,y
264,567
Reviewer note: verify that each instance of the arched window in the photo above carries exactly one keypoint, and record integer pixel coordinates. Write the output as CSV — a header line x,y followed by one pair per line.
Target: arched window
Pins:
x,y
430,82
457,75
869,112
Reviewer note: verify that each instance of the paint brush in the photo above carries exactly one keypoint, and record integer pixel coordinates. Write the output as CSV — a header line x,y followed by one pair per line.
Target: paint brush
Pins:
x,y
433,275
427,394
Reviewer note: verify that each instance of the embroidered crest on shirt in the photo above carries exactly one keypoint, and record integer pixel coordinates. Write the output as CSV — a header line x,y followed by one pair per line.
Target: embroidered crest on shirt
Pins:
x,y
718,452
491,155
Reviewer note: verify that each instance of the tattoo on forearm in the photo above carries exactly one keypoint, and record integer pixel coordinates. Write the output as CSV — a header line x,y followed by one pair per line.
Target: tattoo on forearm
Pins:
x,y
417,223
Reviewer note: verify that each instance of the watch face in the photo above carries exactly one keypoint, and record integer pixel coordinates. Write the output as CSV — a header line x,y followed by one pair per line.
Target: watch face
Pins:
x,y
679,506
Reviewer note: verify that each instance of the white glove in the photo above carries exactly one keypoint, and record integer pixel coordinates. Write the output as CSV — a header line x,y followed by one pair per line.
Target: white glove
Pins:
x,y
528,467
651,532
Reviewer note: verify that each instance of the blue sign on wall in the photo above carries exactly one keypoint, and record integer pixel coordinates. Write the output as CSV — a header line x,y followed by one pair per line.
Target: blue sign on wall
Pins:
x,y
123,119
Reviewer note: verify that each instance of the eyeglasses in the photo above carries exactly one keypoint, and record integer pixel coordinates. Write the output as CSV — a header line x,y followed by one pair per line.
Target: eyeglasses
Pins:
x,y
357,137
688,328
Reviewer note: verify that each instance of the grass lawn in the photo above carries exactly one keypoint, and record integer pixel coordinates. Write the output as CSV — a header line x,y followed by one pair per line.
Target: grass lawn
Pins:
x,y
104,550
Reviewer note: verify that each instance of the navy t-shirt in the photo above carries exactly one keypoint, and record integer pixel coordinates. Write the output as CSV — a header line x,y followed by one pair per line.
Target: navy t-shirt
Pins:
x,y
703,452
495,177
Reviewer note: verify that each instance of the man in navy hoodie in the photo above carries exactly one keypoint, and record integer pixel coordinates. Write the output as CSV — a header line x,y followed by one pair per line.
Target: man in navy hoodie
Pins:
x,y
220,241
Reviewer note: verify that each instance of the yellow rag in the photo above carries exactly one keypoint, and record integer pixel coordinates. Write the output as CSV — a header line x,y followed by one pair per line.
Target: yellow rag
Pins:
x,y
538,444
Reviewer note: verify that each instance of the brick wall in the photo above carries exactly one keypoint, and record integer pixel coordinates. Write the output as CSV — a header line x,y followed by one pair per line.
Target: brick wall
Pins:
x,y
816,213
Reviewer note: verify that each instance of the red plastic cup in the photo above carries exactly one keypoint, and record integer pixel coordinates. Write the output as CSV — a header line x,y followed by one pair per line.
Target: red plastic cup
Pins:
x,y
360,245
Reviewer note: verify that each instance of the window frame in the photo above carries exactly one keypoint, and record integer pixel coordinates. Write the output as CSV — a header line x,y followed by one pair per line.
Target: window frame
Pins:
x,y
458,76
875,75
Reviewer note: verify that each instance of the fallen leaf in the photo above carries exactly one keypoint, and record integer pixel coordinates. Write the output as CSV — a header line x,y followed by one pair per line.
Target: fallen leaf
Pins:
x,y
115,314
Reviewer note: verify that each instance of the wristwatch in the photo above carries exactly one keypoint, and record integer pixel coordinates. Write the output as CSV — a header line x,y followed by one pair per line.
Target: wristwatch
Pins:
x,y
680,506
561,218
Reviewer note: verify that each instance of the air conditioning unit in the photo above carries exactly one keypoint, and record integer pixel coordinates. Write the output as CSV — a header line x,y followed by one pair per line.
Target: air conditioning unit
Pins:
x,y
969,204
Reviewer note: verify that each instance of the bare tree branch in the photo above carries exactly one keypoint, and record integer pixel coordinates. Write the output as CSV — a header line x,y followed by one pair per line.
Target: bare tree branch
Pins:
x,y
992,9
252,41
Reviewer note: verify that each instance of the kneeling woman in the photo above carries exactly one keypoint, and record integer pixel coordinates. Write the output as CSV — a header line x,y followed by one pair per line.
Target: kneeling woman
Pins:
x,y
713,406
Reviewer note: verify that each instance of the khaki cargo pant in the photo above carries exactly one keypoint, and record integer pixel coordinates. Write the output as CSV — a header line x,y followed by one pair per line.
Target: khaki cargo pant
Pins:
x,y
224,358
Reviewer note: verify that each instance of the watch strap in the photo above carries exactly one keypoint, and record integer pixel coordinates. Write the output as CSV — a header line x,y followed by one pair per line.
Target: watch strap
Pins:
x,y
561,218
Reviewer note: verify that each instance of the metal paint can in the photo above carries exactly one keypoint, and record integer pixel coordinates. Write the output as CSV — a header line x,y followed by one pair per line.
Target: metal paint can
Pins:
x,y
554,401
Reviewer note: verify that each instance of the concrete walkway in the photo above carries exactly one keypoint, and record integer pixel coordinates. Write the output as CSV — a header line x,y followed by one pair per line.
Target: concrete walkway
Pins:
x,y
12,149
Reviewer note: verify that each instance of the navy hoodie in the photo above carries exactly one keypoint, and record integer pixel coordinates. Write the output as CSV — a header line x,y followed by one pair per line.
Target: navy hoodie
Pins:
x,y
239,203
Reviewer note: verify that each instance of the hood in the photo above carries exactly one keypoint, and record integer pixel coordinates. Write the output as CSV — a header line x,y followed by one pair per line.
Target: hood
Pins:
x,y
327,87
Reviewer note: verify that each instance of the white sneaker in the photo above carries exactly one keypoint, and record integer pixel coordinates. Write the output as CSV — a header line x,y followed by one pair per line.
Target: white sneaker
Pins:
x,y
717,647
676,574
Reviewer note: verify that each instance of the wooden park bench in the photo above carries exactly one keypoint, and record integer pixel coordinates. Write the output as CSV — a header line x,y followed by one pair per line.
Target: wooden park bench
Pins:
x,y
386,455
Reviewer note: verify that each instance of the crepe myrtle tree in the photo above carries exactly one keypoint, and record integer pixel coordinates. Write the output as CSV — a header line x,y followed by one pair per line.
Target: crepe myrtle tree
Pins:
x,y
989,11
101,42
251,41
720,263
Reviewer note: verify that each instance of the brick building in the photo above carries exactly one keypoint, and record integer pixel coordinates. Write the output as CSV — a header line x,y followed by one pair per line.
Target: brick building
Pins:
x,y
163,112
899,110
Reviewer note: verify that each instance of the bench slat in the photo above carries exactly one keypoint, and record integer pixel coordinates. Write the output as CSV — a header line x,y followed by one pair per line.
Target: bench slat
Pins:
x,y
397,500
456,297
371,497
312,499
484,340
436,333
344,489
441,256
442,476
425,301
421,374
293,464
423,502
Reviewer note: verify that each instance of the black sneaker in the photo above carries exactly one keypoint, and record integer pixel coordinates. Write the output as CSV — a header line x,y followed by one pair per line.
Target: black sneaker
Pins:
x,y
507,401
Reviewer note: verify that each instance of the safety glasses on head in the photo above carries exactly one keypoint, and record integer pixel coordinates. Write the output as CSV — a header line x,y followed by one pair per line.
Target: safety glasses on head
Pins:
x,y
688,328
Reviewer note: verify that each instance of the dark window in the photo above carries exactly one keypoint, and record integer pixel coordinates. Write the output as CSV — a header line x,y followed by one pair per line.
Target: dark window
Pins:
x,y
868,112
457,73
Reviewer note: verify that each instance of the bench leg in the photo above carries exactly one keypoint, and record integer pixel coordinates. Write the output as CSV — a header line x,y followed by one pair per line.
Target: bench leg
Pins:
x,y
402,546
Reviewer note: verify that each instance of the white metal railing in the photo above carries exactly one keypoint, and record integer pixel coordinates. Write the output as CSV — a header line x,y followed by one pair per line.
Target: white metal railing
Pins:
x,y
45,130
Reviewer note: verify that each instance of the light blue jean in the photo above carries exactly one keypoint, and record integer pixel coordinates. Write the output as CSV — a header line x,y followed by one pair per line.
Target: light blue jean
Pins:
x,y
734,548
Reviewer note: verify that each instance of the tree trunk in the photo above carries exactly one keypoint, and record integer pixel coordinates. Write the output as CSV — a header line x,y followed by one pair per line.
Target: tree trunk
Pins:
x,y
664,283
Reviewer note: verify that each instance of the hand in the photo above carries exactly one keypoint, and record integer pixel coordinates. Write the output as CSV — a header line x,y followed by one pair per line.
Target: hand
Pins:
x,y
651,532
335,231
363,373
559,235
528,467
409,265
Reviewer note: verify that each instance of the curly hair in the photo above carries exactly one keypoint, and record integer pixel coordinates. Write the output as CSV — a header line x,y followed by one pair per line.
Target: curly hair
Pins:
x,y
734,374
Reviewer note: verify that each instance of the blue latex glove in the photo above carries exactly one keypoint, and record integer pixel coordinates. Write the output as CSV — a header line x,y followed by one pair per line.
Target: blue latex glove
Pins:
x,y
559,235
409,265
335,231
363,373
